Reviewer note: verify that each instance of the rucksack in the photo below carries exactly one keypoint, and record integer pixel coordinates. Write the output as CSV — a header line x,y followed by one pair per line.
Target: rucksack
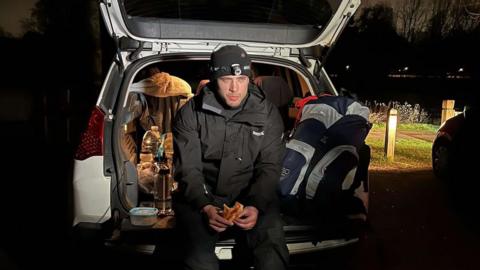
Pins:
x,y
320,165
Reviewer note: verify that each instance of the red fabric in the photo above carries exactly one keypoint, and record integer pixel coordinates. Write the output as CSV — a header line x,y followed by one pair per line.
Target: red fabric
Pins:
x,y
299,104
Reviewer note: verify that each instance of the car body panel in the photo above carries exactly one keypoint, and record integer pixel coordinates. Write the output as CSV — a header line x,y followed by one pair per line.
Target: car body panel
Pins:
x,y
184,32
91,191
442,145
454,145
449,129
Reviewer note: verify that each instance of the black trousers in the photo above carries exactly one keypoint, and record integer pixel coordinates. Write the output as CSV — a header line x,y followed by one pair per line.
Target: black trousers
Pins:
x,y
263,246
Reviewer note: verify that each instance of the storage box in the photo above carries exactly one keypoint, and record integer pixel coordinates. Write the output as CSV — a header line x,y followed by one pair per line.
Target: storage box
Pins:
x,y
143,216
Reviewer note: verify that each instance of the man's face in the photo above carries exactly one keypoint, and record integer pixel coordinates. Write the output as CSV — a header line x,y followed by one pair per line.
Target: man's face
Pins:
x,y
233,89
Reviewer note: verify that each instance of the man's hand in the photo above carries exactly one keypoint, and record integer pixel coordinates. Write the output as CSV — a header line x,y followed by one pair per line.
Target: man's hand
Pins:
x,y
216,221
248,218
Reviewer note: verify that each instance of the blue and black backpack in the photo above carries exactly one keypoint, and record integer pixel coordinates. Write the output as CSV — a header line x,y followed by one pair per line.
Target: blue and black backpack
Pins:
x,y
321,169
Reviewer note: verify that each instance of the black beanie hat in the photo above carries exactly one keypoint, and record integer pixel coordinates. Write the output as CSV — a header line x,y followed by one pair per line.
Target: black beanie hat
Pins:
x,y
229,60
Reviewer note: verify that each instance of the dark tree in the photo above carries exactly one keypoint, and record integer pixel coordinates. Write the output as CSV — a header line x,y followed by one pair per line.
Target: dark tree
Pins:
x,y
72,29
411,18
4,33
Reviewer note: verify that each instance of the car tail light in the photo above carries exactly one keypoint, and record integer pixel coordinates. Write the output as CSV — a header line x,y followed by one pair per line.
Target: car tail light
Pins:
x,y
91,141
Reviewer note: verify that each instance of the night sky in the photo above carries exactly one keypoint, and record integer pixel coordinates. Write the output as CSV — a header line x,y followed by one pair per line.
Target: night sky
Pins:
x,y
12,12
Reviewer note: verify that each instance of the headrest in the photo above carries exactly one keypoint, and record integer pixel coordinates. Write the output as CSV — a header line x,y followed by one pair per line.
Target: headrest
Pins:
x,y
276,89
201,85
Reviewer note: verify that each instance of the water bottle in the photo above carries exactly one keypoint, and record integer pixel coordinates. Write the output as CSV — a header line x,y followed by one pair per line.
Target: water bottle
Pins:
x,y
150,141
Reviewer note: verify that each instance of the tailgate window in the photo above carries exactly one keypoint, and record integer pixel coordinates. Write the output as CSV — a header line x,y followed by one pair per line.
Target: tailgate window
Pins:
x,y
296,12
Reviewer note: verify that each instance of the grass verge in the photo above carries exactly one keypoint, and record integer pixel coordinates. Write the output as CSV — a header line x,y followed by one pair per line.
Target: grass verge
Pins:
x,y
412,149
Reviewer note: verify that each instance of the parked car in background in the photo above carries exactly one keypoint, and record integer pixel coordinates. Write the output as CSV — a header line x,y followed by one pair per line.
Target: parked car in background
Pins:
x,y
456,147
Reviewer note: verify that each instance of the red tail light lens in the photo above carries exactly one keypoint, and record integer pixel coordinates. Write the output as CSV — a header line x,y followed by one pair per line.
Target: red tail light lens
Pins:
x,y
91,141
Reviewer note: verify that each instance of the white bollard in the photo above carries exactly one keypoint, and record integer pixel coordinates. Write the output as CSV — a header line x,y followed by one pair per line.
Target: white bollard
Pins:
x,y
390,133
448,110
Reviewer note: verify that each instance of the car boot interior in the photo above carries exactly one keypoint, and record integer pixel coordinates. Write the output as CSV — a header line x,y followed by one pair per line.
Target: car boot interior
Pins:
x,y
157,92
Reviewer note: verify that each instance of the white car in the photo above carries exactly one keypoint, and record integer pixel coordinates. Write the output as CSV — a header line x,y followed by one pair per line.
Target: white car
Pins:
x,y
286,39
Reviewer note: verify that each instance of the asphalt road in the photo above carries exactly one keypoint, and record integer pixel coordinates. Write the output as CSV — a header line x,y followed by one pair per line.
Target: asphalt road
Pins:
x,y
415,223
420,222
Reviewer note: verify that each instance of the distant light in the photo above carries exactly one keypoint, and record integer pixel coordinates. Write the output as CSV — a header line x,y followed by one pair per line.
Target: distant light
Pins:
x,y
347,67
460,70
405,69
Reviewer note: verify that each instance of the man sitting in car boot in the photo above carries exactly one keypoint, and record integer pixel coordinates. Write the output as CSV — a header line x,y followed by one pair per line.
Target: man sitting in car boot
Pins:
x,y
228,148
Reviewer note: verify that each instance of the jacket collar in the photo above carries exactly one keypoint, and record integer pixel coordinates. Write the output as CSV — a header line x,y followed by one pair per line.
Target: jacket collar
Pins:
x,y
254,110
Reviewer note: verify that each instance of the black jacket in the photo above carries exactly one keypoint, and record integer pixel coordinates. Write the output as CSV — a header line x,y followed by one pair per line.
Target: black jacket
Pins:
x,y
233,159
